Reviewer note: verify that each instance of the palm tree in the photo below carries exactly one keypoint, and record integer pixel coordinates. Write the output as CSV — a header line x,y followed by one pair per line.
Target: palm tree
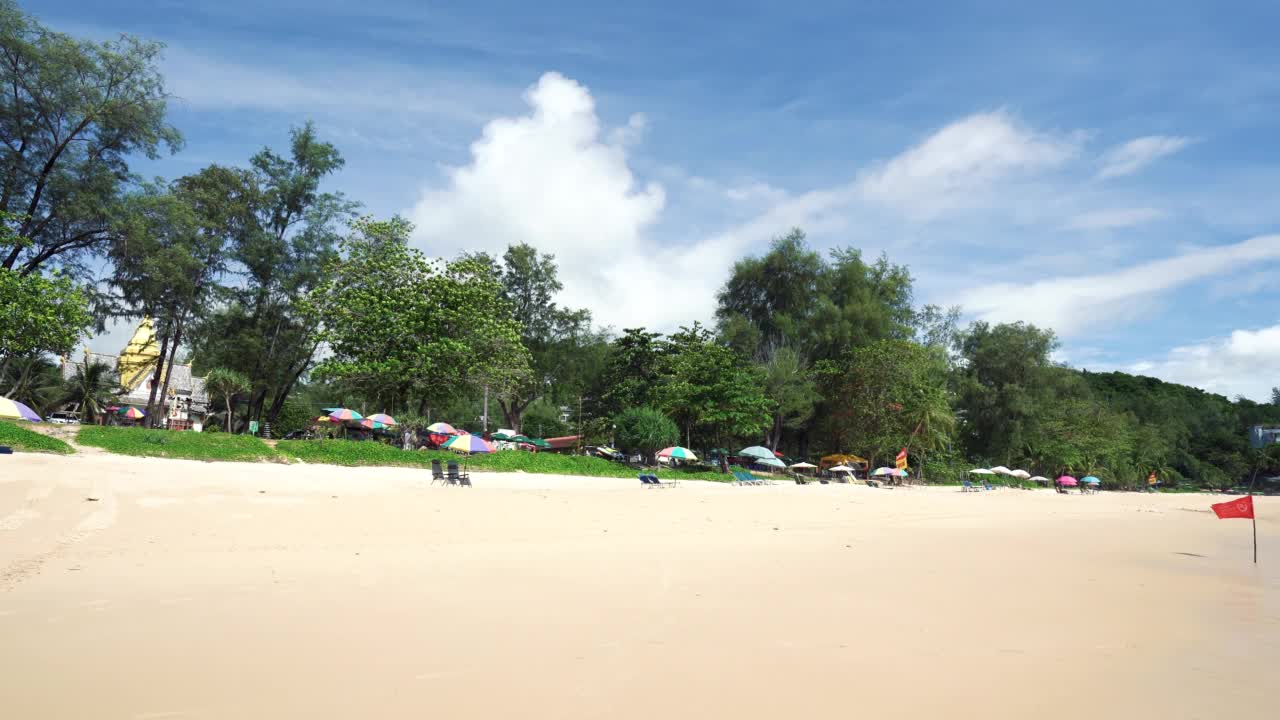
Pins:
x,y
33,381
92,388
934,422
226,384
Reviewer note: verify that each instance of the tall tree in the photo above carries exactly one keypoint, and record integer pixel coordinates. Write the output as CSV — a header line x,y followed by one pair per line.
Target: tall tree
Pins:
x,y
91,387
560,340
285,231
632,367
71,114
397,323
226,384
706,386
789,386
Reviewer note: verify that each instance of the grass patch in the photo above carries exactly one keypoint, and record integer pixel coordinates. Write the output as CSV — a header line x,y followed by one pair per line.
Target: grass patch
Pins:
x,y
173,444
352,454
20,438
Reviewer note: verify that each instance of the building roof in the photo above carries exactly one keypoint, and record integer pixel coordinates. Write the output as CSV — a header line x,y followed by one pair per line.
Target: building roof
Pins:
x,y
563,443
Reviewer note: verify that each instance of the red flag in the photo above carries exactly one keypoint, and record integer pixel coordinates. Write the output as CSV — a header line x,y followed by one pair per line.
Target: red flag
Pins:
x,y
1239,508
902,459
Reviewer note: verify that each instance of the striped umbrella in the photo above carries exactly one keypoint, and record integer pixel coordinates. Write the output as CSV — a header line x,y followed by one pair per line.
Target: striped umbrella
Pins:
x,y
342,414
442,428
679,453
469,444
17,411
132,413
383,418
371,424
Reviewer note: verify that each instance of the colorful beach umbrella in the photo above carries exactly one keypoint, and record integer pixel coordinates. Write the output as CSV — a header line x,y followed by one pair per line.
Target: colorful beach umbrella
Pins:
x,y
1068,481
132,413
1091,480
883,471
383,418
343,414
441,428
679,453
468,444
15,410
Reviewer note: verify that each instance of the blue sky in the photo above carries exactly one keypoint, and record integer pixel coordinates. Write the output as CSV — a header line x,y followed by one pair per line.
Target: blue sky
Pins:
x,y
1108,169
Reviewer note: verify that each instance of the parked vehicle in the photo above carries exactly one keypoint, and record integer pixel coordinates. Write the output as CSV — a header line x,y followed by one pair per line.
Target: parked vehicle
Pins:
x,y
64,418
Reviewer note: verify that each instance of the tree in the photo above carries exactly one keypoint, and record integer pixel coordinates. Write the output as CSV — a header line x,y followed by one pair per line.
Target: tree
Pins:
x,y
708,387
876,397
632,367
398,324
92,387
1275,396
226,383
32,380
645,430
794,297
283,230
40,315
71,114
788,384
558,339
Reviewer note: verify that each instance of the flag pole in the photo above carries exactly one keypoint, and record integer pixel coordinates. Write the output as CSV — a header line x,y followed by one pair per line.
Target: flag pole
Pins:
x,y
1253,516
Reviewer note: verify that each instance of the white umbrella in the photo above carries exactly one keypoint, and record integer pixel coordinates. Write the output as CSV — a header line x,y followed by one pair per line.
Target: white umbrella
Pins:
x,y
1021,474
803,466
842,468
1001,470
981,471
1040,478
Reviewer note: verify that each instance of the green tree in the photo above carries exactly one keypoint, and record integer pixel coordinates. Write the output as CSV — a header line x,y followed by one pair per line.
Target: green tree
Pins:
x,y
397,324
876,398
708,387
645,430
92,387
39,315
71,115
632,367
789,386
33,381
1275,396
283,230
226,384
564,350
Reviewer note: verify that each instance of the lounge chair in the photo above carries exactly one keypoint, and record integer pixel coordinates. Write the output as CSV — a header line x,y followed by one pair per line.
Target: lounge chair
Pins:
x,y
6,450
651,481
457,478
970,487
872,483
437,474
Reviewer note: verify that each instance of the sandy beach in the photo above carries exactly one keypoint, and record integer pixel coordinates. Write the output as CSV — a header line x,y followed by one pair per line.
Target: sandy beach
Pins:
x,y
202,590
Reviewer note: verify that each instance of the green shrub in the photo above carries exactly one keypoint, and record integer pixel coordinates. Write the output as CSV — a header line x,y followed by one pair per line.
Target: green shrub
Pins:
x,y
645,430
20,438
174,444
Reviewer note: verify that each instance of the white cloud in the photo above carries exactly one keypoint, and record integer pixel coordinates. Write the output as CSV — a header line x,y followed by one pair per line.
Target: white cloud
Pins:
x,y
962,160
1245,363
1115,219
551,179
1070,305
1136,154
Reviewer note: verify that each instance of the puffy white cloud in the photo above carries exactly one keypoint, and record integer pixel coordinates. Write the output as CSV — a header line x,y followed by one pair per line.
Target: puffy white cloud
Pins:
x,y
961,161
553,178
1245,363
1115,219
1070,305
1136,154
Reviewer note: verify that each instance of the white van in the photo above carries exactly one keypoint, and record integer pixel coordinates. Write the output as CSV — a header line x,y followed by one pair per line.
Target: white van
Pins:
x,y
64,418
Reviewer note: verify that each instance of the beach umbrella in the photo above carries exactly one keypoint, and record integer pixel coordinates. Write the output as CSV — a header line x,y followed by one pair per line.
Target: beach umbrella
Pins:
x,y
982,471
324,419
543,444
132,413
679,453
1001,470
1040,479
756,451
370,424
469,444
1068,481
15,410
341,414
803,466
1020,474
502,436
883,471
383,418
441,428
1091,480
842,468
898,472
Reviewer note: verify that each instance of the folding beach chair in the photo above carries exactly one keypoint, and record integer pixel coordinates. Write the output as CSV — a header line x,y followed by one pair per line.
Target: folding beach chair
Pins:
x,y
456,478
437,474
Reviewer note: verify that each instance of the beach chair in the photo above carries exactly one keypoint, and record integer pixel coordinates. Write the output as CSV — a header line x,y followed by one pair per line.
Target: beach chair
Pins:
x,y
970,487
6,450
649,481
740,477
670,482
872,483
457,478
437,474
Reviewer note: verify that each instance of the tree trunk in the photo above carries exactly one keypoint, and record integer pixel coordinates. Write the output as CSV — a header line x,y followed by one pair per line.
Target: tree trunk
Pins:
x,y
155,381
775,435
168,376
277,401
